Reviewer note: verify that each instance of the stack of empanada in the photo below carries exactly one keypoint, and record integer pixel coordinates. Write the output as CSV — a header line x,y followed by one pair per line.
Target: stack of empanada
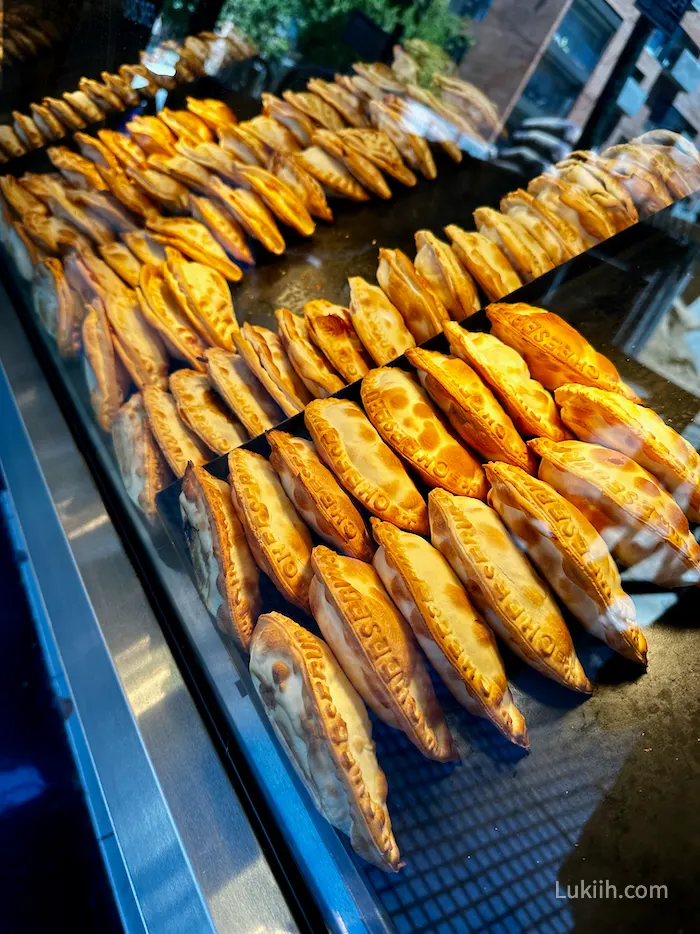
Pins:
x,y
405,288
331,329
378,323
142,466
313,369
203,412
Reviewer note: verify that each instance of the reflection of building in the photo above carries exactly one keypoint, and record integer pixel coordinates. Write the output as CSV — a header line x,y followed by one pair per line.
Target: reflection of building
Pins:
x,y
554,57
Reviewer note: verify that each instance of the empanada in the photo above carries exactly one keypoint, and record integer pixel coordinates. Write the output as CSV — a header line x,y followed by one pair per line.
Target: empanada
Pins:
x,y
277,536
178,444
222,227
278,196
58,307
139,78
224,569
347,104
323,727
120,87
152,134
93,227
119,257
185,123
78,170
53,234
362,168
130,195
27,130
123,148
105,374
558,239
412,148
272,133
469,100
505,372
48,125
378,323
244,146
145,248
298,124
204,296
317,496
10,143
138,345
142,466
555,352
380,75
620,211
20,197
63,111
639,521
217,115
574,205
203,412
472,409
377,650
164,189
312,367
570,554
525,254
163,312
308,188
262,350
105,98
608,418
182,169
458,644
332,173
504,587
376,146
655,161
42,185
400,410
484,261
103,208
451,284
422,311
96,151
85,106
331,329
316,108
367,467
251,214
243,393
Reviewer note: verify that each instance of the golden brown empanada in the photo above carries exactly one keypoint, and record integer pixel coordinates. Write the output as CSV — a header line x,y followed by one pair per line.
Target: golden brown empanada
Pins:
x,y
123,148
317,496
362,168
185,123
103,208
272,133
263,352
20,197
570,554
119,257
306,187
641,524
331,329
27,130
557,238
555,352
412,148
312,367
165,190
120,87
608,418
106,376
278,196
241,390
438,266
504,587
505,372
655,161
277,536
130,195
244,146
48,125
222,227
52,234
377,146
422,311
380,75
323,727
484,261
460,647
85,106
316,108
178,444
400,410
10,143
152,134
224,569
58,307
163,312
217,115
525,254
377,650
62,110
42,185
574,205
186,171
96,151
142,466
204,296
470,101
92,226
144,247
347,104
620,210
203,412
332,173
367,467
105,98
139,78
298,124
378,323
473,410
251,214
139,346
78,170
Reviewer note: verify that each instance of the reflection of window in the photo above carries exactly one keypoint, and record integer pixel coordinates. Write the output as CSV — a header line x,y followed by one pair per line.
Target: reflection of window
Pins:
x,y
550,90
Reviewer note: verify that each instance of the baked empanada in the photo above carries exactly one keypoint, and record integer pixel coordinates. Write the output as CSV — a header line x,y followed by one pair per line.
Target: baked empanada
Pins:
x,y
139,346
380,75
120,87
119,257
639,521
78,170
105,98
458,644
278,196
27,131
504,587
472,409
164,313
469,100
317,496
93,227
298,124
377,650
224,569
222,227
130,195
484,261
312,367
316,108
10,143
244,146
106,376
438,266
331,329
142,466
376,146
204,296
558,239
413,149
53,234
505,372
241,390
96,151
362,168
378,323
525,254
42,185
422,311
306,187
620,211
48,125
203,412
277,536
164,189
217,115
251,214
347,104
332,173
555,352
85,106
178,444
272,133
574,205
123,148
400,410
570,554
608,418
186,171
144,247
58,307
185,123
263,352
152,134
139,78
367,467
323,727
63,111
655,161
20,197
102,207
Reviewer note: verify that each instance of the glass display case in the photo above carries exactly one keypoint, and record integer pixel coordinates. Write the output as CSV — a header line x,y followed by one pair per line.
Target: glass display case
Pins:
x,y
389,395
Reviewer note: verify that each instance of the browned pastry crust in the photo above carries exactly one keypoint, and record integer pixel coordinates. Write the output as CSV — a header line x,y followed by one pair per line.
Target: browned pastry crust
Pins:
x,y
107,379
298,124
62,110
117,85
222,227
331,329
48,125
647,190
187,124
278,538
346,103
459,645
401,412
378,323
469,100
272,133
377,650
42,185
555,352
367,467
574,205
20,198
656,162
186,171
525,254
93,227
281,378
224,569
278,196
570,554
79,171
380,75
377,146
204,413
312,367
141,464
152,135
330,720
306,187
316,108
85,105
130,195
423,122
27,130
422,311
10,144
138,345
332,173
52,234
484,261
414,149
504,587
242,391
556,237
527,402
169,193
217,115
250,212
139,78
163,312
119,257
123,148
144,247
204,297
316,495
179,445
103,207
616,208
243,146
362,168
57,306
105,98
194,240
438,266
96,151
